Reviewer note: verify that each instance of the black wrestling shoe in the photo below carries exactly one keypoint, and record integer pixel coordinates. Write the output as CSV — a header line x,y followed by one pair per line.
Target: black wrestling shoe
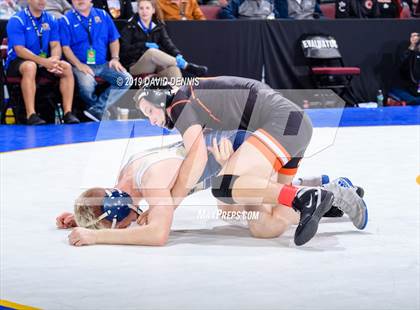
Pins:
x,y
196,70
312,203
334,212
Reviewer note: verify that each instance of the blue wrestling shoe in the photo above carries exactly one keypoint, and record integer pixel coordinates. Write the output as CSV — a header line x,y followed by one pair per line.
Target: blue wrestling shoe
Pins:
x,y
348,199
324,180
345,182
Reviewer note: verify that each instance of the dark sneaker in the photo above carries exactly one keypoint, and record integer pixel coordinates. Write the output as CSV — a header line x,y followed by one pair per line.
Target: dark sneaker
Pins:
x,y
334,212
34,119
312,203
360,191
93,115
196,70
69,118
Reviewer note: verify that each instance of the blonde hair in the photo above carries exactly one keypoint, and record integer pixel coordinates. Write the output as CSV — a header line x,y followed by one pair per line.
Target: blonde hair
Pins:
x,y
158,15
87,208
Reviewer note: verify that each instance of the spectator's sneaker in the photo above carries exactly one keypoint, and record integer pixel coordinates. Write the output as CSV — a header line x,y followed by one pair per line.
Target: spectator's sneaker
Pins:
x,y
196,70
347,199
69,118
93,115
34,119
312,203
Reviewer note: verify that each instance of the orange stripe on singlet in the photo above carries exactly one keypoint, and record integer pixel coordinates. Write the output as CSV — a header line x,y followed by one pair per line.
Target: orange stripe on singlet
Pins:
x,y
273,140
267,152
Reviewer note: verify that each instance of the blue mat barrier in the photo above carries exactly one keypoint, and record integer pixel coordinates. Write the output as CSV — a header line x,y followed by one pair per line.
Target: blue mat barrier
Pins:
x,y
20,137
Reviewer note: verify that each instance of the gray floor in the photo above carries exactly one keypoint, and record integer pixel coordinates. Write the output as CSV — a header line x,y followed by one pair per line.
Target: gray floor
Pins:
x,y
207,263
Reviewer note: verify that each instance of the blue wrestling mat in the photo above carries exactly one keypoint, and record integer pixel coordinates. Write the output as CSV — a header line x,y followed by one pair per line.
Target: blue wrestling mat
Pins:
x,y
19,137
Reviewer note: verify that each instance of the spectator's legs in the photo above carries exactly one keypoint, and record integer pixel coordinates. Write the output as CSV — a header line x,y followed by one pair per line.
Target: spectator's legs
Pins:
x,y
87,84
120,82
67,86
405,96
170,72
151,60
28,70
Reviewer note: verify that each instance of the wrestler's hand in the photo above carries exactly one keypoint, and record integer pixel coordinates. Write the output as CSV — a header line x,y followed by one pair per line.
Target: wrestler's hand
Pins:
x,y
143,218
65,220
82,236
223,151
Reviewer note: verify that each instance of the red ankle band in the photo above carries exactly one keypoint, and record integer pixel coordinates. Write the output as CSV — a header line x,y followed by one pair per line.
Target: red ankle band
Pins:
x,y
287,194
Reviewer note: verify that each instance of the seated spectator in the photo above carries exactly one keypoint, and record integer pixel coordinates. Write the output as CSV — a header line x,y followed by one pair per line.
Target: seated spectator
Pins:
x,y
247,9
8,8
267,9
390,8
410,70
180,10
148,48
356,9
87,35
298,9
118,9
412,4
34,50
57,8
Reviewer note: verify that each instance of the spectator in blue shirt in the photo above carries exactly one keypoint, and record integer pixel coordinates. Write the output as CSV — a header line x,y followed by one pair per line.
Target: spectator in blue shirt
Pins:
x,y
34,49
86,35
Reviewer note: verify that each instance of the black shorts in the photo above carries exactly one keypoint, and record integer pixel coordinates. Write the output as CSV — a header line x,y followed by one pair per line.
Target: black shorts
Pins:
x,y
284,137
14,65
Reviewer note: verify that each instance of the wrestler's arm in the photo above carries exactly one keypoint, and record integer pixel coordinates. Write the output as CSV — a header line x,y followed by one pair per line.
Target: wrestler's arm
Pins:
x,y
193,166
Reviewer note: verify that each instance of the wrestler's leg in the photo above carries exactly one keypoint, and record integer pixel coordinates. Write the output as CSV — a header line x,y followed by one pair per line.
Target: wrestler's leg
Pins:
x,y
246,179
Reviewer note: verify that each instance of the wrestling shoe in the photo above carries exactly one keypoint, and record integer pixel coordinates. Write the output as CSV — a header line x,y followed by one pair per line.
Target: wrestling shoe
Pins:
x,y
312,203
348,200
323,180
319,181
345,182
